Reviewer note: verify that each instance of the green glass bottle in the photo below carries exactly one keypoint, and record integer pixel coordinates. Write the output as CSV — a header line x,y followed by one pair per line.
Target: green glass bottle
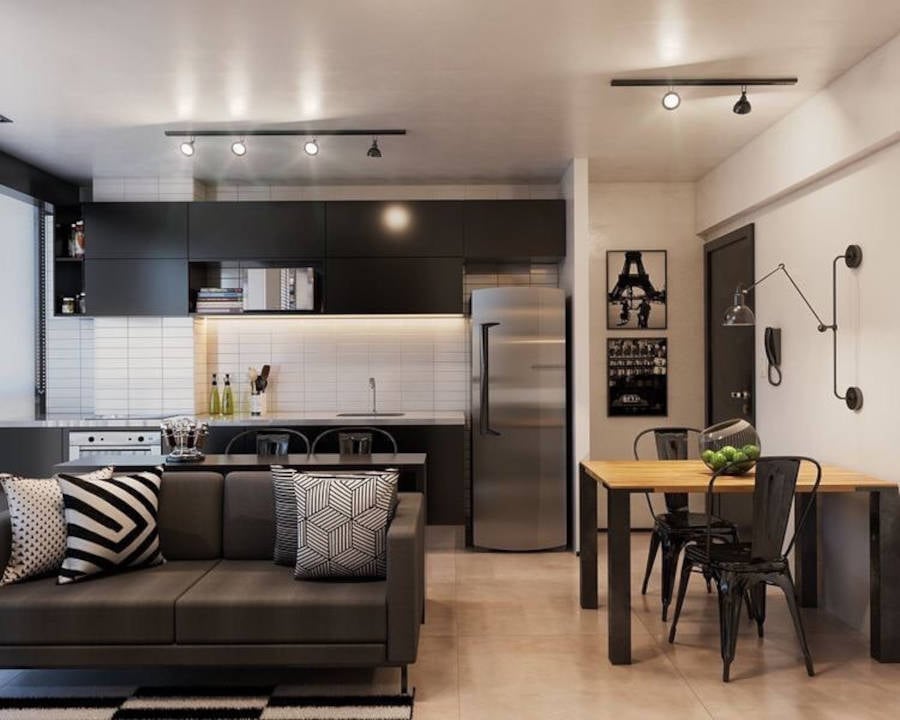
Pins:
x,y
227,397
214,406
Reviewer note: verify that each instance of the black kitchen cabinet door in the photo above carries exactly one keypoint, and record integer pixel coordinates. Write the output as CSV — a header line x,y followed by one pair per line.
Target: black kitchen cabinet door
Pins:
x,y
393,285
135,230
136,287
30,452
394,229
256,230
514,229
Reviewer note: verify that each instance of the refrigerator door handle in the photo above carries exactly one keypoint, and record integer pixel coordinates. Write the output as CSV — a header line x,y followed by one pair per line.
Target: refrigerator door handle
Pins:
x,y
484,420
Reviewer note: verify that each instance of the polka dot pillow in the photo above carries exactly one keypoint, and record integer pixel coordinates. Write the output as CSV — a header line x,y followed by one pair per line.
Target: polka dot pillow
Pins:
x,y
38,523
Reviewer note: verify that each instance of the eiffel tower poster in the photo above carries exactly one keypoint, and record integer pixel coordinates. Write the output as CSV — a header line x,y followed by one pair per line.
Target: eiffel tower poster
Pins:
x,y
636,290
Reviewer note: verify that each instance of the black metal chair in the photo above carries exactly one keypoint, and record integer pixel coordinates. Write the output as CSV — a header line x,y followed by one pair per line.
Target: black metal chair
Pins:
x,y
354,429
677,526
270,440
739,569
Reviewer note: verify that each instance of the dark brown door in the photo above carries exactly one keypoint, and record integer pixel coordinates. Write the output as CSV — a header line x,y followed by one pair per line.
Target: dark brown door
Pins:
x,y
730,359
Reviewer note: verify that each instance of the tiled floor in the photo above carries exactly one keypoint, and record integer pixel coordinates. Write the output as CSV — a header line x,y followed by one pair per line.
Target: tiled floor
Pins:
x,y
505,638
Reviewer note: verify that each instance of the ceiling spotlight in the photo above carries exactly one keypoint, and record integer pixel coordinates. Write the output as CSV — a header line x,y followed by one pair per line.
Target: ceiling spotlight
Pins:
x,y
311,147
239,147
187,148
374,151
671,100
743,106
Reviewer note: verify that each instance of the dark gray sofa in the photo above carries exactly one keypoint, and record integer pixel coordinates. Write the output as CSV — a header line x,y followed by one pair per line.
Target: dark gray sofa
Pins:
x,y
219,600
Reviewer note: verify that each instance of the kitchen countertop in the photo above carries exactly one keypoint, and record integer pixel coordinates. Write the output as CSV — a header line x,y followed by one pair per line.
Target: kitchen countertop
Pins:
x,y
272,419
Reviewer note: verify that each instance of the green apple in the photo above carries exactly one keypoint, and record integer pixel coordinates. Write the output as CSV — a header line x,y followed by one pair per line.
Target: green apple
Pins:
x,y
718,460
707,455
728,451
751,451
739,456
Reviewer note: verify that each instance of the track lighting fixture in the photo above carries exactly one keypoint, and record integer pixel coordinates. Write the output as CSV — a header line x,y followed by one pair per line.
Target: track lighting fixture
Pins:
x,y
187,147
742,106
311,147
239,147
374,152
671,100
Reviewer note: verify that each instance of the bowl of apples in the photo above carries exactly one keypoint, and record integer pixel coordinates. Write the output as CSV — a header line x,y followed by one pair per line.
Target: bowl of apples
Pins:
x,y
731,446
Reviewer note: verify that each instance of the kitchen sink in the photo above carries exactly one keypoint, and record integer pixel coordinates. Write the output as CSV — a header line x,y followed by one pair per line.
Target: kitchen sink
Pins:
x,y
371,414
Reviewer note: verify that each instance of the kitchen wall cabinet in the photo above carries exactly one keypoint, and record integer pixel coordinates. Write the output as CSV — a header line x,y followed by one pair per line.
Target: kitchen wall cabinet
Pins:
x,y
135,230
30,452
136,287
256,230
514,229
394,229
393,285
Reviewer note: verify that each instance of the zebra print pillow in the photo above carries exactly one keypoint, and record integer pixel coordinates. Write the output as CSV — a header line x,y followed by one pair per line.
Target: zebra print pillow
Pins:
x,y
285,515
110,524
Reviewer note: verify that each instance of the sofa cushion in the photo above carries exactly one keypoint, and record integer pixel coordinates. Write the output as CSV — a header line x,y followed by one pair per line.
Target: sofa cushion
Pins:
x,y
248,522
110,524
128,608
37,525
190,515
255,601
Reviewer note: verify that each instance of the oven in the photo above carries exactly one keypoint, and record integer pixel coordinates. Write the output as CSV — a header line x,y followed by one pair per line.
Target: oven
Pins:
x,y
100,441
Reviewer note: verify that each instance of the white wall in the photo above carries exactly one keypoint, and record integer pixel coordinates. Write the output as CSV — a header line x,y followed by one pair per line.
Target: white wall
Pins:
x,y
647,216
18,277
808,202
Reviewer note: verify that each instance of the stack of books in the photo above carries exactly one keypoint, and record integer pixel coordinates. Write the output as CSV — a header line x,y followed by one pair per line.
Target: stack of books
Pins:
x,y
220,301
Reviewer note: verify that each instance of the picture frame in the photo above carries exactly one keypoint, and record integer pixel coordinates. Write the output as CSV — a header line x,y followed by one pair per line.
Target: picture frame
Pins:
x,y
637,370
637,290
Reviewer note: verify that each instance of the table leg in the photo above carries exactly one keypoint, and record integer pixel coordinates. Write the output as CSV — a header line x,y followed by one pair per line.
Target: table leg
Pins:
x,y
587,524
884,578
618,518
806,557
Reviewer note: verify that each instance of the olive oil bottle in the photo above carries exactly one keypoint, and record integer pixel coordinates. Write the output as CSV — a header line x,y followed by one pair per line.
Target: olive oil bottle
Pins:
x,y
215,407
227,397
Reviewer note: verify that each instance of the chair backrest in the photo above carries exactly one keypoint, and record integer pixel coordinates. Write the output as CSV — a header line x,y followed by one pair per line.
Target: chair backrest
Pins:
x,y
672,443
272,443
353,429
774,490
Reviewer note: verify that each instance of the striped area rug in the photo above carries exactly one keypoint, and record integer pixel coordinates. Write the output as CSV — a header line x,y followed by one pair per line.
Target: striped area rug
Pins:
x,y
225,703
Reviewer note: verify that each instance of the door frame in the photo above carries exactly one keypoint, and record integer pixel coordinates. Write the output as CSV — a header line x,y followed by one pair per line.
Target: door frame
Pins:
x,y
746,232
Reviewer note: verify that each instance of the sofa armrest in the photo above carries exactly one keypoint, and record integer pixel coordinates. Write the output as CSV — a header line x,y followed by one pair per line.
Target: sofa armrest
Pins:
x,y
405,578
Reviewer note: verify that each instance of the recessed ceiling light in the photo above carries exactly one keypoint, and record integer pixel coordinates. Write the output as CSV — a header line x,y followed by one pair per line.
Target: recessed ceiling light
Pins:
x,y
671,100
742,106
239,148
187,148
4,119
311,147
374,151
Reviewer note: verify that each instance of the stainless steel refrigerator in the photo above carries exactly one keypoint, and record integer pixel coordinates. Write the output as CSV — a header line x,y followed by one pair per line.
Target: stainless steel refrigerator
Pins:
x,y
518,418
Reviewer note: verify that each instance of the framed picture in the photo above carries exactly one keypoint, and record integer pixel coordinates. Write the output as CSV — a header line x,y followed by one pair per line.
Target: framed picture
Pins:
x,y
636,290
637,377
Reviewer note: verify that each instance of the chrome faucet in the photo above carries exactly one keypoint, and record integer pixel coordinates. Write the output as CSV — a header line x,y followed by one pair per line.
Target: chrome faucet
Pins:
x,y
372,388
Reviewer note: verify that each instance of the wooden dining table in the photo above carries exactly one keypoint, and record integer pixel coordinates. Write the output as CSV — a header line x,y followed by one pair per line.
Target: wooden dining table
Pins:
x,y
622,478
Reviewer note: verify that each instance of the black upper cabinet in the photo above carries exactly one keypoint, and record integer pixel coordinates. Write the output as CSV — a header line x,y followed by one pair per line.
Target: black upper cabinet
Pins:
x,y
393,285
136,287
135,230
394,229
514,229
256,230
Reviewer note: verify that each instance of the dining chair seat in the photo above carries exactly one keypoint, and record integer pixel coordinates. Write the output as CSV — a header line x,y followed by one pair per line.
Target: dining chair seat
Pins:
x,y
691,521
733,557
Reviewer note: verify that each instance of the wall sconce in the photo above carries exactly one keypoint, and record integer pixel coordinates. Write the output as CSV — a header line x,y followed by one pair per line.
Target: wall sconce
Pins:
x,y
739,315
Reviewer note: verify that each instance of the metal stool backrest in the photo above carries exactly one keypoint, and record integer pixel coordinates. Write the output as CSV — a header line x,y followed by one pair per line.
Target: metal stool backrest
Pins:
x,y
274,443
774,490
671,444
354,429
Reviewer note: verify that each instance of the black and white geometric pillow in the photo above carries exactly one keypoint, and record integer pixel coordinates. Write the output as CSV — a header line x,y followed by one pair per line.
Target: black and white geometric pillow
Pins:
x,y
342,523
110,524
285,552
38,524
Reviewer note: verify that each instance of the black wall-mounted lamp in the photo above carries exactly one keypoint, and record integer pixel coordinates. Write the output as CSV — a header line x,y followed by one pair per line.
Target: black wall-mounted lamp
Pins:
x,y
739,315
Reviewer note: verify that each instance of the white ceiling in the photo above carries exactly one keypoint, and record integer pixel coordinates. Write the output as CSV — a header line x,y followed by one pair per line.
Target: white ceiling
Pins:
x,y
490,90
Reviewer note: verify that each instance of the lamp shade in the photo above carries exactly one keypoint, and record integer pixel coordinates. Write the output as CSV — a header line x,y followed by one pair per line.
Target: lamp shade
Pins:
x,y
739,315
